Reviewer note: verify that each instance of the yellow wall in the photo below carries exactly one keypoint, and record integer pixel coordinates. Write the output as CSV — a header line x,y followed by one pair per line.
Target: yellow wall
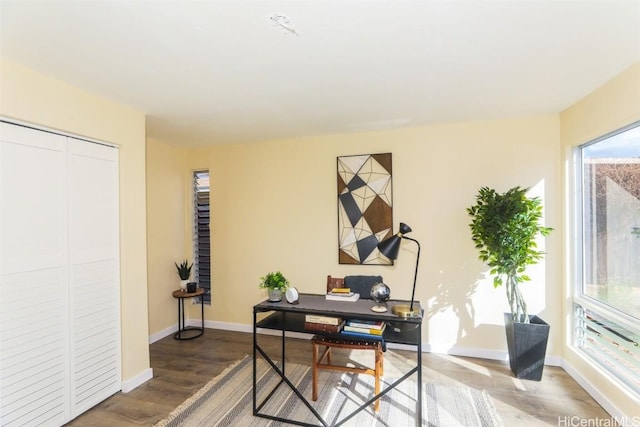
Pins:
x,y
614,105
166,198
274,207
38,99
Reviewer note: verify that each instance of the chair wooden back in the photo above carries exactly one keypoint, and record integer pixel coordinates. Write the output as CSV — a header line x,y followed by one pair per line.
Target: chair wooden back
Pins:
x,y
334,282
359,284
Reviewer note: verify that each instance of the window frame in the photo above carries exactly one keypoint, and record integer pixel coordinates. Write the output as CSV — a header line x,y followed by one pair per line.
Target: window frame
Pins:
x,y
581,301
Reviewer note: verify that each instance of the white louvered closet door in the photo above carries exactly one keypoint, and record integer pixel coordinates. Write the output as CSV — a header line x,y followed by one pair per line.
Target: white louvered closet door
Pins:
x,y
34,349
93,273
59,280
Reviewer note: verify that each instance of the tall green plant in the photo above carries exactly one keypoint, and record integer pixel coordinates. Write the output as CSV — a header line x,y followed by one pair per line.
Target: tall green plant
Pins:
x,y
504,228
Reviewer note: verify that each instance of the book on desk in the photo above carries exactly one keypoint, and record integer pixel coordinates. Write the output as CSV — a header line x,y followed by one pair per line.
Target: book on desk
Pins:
x,y
327,324
366,331
335,325
323,327
368,324
362,335
350,296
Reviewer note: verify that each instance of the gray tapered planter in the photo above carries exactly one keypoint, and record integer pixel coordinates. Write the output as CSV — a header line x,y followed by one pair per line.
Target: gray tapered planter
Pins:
x,y
527,344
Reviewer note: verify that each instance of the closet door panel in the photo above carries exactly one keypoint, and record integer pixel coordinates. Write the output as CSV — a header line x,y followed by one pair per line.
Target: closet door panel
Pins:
x,y
34,316
32,199
93,200
96,335
34,367
94,273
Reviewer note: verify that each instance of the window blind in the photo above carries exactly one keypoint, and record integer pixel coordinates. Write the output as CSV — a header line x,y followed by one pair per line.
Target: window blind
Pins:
x,y
613,346
201,232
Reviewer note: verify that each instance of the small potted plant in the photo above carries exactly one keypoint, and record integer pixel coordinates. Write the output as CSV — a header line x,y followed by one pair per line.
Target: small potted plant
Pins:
x,y
184,271
504,228
275,283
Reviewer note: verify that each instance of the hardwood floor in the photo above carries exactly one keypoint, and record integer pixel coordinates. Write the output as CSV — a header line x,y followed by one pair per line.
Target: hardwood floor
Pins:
x,y
180,368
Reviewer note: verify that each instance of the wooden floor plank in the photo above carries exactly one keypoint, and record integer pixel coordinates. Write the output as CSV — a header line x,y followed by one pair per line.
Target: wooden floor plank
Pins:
x,y
180,368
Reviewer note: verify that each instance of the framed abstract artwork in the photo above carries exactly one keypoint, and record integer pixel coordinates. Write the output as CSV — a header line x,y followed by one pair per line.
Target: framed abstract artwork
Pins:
x,y
365,208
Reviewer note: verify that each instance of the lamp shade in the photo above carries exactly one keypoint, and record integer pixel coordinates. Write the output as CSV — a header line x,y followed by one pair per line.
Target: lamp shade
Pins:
x,y
391,246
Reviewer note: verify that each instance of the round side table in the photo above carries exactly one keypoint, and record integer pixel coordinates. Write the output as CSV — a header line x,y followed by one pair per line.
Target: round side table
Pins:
x,y
181,295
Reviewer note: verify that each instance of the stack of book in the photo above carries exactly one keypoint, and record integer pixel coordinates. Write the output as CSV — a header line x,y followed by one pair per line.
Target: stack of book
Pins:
x,y
364,328
342,294
327,324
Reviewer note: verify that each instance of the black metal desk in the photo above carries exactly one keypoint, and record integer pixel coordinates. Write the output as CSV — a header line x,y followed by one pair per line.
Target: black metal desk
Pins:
x,y
288,317
181,295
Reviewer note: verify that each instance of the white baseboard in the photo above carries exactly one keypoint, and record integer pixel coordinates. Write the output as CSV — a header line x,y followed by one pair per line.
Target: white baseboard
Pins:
x,y
225,326
553,361
136,381
466,352
598,396
482,353
163,333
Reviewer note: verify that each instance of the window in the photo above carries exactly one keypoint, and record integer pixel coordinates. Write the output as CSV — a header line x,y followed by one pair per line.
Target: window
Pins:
x,y
201,233
607,298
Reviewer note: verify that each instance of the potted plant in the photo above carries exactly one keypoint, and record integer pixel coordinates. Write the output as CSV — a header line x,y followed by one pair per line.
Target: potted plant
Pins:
x,y
504,228
275,283
184,271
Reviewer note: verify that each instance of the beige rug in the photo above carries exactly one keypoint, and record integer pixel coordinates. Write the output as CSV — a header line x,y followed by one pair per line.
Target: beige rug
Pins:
x,y
227,401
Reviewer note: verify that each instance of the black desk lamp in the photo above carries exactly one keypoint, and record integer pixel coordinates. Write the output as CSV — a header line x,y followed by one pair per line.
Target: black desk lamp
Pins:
x,y
389,248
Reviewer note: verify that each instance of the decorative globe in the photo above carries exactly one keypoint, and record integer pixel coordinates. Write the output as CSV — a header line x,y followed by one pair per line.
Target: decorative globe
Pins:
x,y
380,293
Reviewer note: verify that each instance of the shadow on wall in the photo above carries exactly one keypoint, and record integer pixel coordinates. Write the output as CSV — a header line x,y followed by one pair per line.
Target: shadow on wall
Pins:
x,y
464,313
456,299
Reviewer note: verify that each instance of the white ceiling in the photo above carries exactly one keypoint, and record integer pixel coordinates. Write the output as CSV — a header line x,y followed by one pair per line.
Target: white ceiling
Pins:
x,y
211,72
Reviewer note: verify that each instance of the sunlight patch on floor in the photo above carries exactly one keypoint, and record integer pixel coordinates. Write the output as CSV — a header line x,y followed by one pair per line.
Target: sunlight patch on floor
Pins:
x,y
472,366
518,384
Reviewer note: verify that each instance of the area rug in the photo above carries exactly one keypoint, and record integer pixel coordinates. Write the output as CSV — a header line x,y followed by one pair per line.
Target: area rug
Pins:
x,y
227,400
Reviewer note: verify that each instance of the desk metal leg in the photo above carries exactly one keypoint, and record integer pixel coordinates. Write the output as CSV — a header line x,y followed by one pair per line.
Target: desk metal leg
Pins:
x,y
419,352
283,339
255,345
283,380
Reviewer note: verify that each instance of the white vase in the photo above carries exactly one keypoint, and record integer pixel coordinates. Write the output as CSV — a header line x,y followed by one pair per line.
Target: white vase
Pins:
x,y
183,285
275,295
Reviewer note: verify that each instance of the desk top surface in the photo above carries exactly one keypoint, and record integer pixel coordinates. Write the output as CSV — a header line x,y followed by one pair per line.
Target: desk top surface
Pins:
x,y
318,304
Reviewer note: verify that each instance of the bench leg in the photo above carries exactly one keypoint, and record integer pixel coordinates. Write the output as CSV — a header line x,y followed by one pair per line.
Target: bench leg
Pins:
x,y
318,359
378,372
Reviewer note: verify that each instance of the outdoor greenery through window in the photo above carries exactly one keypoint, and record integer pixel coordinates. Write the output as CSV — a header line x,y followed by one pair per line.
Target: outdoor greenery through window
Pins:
x,y
201,233
607,301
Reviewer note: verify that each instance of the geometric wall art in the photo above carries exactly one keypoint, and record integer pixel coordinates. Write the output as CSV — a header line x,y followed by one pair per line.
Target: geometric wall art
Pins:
x,y
365,208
